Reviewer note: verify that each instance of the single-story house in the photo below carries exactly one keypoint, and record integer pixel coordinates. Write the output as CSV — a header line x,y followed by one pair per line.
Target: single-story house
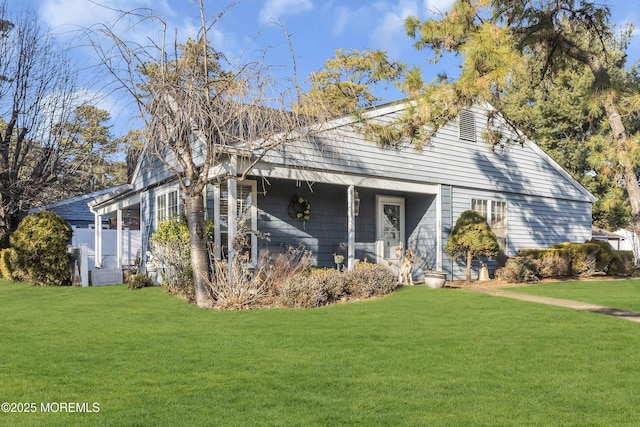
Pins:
x,y
614,239
339,193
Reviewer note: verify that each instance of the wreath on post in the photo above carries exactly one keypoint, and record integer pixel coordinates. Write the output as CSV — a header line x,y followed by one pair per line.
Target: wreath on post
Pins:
x,y
299,208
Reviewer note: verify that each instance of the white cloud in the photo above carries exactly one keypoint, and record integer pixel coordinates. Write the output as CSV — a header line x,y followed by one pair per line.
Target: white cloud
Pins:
x,y
437,7
274,9
62,14
390,28
342,20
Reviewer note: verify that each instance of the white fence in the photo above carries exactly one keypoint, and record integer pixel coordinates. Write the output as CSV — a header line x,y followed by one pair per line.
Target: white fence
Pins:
x,y
131,244
630,243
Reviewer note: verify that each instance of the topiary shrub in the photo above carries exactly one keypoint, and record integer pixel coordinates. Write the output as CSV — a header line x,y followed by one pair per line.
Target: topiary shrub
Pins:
x,y
471,238
7,257
40,244
139,281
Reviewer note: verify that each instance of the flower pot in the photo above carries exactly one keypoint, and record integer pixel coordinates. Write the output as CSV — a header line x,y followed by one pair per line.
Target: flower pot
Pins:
x,y
435,279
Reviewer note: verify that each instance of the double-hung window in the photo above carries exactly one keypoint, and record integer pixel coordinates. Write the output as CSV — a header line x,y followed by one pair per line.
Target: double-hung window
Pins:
x,y
495,211
167,206
245,210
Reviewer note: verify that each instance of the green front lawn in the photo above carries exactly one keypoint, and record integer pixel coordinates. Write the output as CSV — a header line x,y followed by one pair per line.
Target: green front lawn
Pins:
x,y
623,294
417,357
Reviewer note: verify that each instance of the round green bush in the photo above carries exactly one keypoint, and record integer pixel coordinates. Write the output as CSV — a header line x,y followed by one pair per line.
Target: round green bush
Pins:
x,y
40,245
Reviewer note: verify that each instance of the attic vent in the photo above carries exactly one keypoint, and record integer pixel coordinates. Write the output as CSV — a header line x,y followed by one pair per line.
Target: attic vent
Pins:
x,y
467,131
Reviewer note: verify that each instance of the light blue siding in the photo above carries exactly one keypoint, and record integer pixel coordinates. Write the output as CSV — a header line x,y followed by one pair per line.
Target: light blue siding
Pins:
x,y
447,160
544,204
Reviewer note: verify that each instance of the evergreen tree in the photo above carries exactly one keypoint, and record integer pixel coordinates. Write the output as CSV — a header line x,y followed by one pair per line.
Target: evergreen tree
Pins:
x,y
345,84
470,238
504,42
93,155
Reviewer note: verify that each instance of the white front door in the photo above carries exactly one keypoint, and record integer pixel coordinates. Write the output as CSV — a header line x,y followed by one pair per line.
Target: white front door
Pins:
x,y
390,229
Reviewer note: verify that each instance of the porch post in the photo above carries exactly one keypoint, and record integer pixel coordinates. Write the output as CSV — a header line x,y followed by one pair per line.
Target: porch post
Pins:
x,y
119,238
439,248
216,221
97,250
84,265
351,227
232,208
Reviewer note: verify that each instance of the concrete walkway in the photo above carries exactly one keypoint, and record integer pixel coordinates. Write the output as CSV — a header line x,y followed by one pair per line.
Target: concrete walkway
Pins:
x,y
578,305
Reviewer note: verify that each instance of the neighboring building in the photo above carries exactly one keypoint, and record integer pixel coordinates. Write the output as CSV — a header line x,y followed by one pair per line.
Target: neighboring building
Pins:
x,y
629,241
614,239
75,210
365,201
79,216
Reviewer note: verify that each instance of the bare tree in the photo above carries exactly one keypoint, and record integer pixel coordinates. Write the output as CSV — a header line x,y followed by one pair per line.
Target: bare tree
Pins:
x,y
37,85
207,118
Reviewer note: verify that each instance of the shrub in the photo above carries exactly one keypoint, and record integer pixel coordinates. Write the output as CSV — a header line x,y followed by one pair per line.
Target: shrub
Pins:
x,y
622,263
555,263
139,281
334,283
295,261
604,255
519,269
584,257
170,245
7,257
238,288
306,292
4,241
40,244
323,286
371,280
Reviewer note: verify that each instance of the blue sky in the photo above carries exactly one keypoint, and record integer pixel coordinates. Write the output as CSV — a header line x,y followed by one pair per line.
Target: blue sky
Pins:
x,y
316,27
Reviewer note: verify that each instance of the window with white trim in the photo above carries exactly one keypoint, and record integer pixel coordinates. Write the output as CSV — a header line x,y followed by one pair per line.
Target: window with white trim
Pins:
x,y
495,211
246,207
467,126
167,206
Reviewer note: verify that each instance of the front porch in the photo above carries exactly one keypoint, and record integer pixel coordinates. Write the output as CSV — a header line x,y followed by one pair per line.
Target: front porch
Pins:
x,y
365,222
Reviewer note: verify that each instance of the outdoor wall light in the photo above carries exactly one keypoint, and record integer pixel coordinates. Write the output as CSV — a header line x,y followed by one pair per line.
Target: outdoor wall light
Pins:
x,y
356,202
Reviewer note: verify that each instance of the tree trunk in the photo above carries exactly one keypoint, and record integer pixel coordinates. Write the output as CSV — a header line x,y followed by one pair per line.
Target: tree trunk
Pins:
x,y
624,154
194,213
469,260
603,85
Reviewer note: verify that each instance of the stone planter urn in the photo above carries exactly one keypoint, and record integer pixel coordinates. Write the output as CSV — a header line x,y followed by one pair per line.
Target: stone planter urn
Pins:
x,y
435,279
